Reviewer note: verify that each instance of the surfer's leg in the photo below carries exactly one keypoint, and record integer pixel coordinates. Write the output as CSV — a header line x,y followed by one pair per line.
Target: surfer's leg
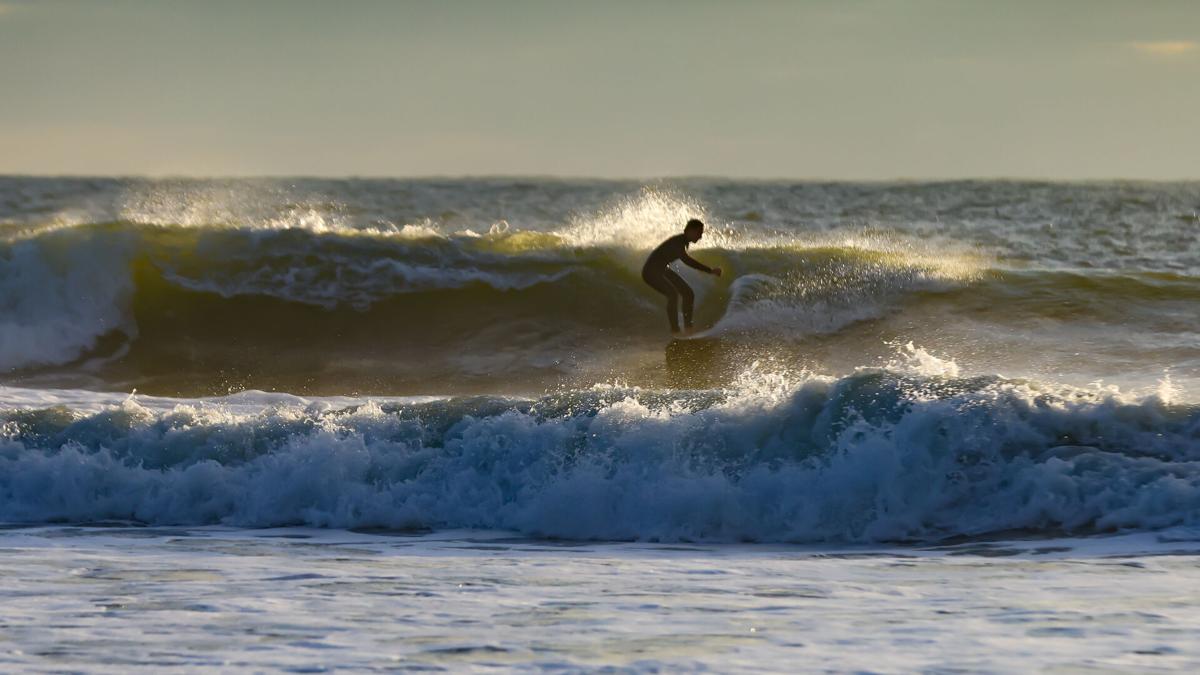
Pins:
x,y
673,311
689,298
659,283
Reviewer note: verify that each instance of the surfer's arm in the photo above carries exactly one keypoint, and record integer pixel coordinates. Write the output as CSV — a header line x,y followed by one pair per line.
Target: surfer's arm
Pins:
x,y
695,264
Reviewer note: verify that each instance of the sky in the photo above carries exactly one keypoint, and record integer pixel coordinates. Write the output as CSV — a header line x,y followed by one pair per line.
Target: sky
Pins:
x,y
849,89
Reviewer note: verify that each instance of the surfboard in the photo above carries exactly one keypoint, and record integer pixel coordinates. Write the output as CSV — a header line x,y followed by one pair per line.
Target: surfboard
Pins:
x,y
696,334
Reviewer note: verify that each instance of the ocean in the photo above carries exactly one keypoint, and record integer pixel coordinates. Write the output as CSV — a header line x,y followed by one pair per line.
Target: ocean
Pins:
x,y
307,424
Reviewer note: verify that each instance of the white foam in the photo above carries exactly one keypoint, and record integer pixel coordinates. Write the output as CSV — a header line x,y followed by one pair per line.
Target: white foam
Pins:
x,y
914,360
874,456
59,293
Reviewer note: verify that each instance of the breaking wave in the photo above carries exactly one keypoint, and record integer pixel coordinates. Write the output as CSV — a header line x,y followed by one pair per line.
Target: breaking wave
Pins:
x,y
881,455
185,292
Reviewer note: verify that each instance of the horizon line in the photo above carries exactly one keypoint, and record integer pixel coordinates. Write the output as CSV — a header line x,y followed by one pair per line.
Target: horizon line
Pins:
x,y
599,178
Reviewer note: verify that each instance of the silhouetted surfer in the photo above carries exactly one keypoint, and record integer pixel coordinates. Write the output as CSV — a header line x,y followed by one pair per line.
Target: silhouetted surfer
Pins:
x,y
664,280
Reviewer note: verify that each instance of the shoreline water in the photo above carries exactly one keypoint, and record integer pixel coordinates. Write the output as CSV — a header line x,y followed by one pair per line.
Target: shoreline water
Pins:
x,y
307,600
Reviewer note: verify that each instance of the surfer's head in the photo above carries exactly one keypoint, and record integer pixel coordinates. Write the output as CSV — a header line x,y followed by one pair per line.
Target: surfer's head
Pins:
x,y
694,230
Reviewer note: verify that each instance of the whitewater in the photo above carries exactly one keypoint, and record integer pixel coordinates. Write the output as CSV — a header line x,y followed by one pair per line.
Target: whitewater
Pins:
x,y
311,424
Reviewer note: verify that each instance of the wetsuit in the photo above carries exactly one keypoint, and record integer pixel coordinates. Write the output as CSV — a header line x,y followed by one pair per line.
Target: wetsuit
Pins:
x,y
662,279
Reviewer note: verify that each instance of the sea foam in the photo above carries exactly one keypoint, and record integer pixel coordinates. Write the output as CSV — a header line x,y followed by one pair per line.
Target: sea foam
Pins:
x,y
880,455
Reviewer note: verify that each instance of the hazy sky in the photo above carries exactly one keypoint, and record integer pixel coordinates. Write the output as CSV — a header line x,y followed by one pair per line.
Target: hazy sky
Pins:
x,y
848,89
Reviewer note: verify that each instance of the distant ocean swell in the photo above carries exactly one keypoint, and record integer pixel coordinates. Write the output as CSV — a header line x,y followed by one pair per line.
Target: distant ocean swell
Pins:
x,y
879,455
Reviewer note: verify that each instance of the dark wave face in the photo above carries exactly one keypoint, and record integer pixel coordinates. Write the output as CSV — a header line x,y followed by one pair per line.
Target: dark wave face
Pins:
x,y
171,308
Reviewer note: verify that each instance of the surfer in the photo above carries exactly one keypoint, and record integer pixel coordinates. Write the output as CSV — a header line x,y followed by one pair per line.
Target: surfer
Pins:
x,y
663,279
